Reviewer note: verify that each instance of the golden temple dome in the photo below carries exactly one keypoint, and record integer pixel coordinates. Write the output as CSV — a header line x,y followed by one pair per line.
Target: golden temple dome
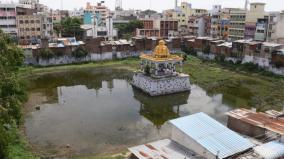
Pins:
x,y
161,51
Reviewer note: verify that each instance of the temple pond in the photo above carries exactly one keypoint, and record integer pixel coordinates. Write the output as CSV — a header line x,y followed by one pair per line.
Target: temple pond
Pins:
x,y
97,111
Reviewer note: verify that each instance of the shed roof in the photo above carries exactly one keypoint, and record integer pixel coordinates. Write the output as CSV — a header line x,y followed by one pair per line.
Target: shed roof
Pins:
x,y
259,119
162,149
212,135
271,150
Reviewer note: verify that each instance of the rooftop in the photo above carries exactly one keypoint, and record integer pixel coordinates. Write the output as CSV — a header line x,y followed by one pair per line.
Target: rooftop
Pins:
x,y
212,135
263,120
271,44
270,150
162,149
226,44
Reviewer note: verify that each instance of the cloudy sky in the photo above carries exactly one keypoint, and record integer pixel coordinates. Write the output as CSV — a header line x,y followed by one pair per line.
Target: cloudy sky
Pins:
x,y
159,5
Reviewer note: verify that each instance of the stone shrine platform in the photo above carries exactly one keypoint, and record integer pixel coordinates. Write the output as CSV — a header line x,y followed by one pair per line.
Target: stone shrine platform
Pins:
x,y
161,86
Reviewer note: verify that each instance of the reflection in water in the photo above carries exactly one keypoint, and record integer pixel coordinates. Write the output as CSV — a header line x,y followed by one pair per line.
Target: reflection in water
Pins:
x,y
162,108
98,111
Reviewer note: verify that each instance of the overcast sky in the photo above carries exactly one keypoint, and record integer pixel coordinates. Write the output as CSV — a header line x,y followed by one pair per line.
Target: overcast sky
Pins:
x,y
159,5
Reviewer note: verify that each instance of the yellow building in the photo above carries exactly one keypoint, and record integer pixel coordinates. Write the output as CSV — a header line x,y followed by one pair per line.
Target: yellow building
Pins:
x,y
182,13
256,12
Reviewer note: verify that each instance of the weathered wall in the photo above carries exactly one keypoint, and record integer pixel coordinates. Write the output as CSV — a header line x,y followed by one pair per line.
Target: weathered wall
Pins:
x,y
245,128
91,57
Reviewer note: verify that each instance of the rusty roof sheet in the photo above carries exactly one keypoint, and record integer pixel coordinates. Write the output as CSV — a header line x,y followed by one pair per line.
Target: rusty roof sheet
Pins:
x,y
163,149
263,120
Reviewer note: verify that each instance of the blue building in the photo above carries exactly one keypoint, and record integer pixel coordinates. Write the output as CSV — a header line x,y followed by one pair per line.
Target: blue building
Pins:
x,y
88,17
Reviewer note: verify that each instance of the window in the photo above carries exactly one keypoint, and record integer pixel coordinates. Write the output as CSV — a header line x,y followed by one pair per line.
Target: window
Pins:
x,y
21,21
38,29
32,21
33,29
27,29
26,21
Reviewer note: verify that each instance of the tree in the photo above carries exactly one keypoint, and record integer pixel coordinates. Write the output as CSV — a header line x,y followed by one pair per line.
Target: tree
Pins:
x,y
12,92
70,27
46,54
126,30
206,50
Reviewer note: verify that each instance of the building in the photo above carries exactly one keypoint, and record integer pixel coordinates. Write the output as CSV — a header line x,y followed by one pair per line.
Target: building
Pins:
x,y
278,58
199,12
79,13
98,21
277,33
33,28
215,19
8,15
58,15
207,137
256,12
199,26
271,25
125,15
261,30
161,149
268,125
182,13
168,28
150,28
237,24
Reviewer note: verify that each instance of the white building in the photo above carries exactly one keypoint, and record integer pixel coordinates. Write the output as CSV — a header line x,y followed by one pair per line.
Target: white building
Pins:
x,y
8,15
77,13
278,35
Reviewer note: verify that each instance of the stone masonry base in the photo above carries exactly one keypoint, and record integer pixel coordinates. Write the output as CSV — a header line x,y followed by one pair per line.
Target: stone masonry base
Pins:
x,y
163,86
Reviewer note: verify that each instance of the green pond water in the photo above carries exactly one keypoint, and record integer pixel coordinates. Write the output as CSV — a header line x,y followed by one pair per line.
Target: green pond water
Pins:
x,y
97,111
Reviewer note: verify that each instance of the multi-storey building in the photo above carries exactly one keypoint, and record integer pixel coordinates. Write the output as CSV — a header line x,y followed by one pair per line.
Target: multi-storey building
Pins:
x,y
8,18
261,29
79,13
220,22
215,20
182,14
33,28
150,28
256,12
158,27
168,28
271,24
237,24
99,21
199,25
199,12
278,33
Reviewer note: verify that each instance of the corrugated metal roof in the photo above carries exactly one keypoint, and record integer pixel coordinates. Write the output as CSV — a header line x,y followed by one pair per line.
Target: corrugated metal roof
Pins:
x,y
163,149
212,135
271,150
259,119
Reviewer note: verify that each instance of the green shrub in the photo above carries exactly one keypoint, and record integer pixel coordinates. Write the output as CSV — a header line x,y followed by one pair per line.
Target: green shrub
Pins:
x,y
79,52
46,53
